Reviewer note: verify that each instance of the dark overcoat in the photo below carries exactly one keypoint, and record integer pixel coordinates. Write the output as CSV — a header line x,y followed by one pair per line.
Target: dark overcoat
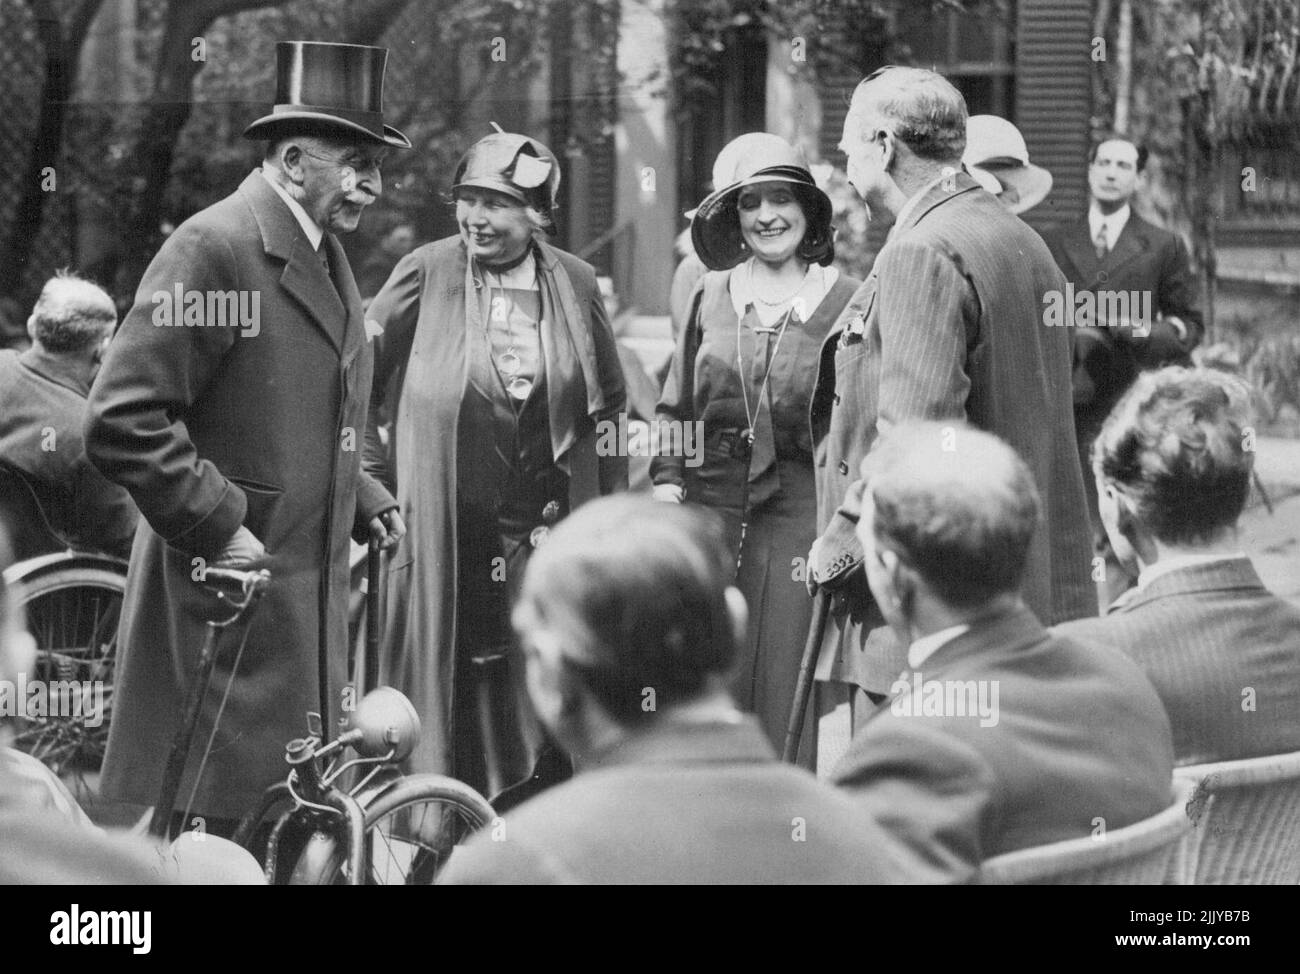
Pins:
x,y
422,362
949,325
211,426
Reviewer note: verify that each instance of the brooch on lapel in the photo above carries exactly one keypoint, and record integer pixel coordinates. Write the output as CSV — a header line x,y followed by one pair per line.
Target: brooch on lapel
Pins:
x,y
854,330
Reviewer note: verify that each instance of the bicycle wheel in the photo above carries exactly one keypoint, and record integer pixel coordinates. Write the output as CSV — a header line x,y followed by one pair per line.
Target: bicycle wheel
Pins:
x,y
72,603
412,829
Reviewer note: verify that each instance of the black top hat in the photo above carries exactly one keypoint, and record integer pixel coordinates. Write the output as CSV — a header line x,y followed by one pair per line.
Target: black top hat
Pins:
x,y
328,86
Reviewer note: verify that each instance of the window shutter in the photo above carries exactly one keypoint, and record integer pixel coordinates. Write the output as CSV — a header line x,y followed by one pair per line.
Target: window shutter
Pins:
x,y
1054,100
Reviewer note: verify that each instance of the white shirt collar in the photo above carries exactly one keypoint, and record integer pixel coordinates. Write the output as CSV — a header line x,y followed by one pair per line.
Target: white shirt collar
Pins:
x,y
309,226
816,285
925,647
1115,223
1166,565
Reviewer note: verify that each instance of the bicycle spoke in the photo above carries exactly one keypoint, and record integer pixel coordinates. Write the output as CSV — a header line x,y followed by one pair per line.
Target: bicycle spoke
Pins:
x,y
73,613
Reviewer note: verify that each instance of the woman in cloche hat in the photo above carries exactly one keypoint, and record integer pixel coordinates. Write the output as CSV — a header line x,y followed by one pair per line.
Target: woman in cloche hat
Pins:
x,y
745,368
504,365
997,157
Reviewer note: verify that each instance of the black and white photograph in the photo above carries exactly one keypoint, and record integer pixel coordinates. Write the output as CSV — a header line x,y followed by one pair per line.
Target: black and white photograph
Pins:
x,y
651,442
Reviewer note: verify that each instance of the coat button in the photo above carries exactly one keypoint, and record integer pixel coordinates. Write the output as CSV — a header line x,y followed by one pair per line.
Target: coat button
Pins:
x,y
837,398
844,467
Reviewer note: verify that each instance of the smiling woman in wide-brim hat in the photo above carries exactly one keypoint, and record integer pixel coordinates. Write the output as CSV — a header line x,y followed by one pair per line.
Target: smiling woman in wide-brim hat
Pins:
x,y
745,368
757,158
505,365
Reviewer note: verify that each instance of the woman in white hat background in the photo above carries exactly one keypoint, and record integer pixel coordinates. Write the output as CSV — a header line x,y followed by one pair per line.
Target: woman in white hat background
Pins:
x,y
502,363
745,368
997,157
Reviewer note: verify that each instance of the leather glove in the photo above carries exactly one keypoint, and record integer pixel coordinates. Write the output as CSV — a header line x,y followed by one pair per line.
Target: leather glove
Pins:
x,y
242,550
668,493
836,563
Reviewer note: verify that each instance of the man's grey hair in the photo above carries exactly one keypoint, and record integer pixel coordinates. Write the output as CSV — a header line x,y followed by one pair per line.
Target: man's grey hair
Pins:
x,y
923,110
957,505
310,141
72,314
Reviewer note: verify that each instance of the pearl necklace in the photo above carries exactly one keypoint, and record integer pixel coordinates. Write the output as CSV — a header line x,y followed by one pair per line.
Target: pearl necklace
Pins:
x,y
753,290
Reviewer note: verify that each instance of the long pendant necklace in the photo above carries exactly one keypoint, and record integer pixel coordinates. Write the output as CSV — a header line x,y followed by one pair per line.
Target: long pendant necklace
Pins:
x,y
509,362
751,419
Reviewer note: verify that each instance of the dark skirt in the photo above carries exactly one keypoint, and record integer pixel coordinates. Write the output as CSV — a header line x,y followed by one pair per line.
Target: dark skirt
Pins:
x,y
773,559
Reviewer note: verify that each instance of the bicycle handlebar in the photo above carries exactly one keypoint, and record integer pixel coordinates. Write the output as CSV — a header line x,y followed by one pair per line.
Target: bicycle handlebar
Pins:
x,y
235,582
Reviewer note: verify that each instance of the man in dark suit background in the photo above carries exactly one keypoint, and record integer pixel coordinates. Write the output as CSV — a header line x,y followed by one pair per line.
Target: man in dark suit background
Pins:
x,y
629,628
948,325
232,405
1173,469
1114,249
1000,735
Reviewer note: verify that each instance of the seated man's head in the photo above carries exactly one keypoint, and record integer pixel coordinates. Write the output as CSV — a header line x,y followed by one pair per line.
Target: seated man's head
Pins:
x,y
73,318
627,615
1173,463
333,176
947,516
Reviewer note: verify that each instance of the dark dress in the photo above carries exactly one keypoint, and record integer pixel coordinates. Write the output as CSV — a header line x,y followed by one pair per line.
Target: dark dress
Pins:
x,y
505,443
474,469
766,492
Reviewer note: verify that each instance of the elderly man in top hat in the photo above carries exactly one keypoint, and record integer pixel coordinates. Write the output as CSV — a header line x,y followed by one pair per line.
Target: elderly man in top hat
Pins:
x,y
232,405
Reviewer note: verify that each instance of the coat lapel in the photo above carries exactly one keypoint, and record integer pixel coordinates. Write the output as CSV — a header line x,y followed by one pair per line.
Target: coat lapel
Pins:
x,y
1132,242
571,338
1082,252
354,328
936,195
304,276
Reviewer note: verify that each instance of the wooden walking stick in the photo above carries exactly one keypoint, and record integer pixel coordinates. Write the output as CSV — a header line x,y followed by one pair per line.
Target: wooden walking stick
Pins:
x,y
803,688
371,676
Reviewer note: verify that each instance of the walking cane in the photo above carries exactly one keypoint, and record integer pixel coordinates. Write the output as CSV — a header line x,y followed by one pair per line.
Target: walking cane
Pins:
x,y
240,590
371,679
803,688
